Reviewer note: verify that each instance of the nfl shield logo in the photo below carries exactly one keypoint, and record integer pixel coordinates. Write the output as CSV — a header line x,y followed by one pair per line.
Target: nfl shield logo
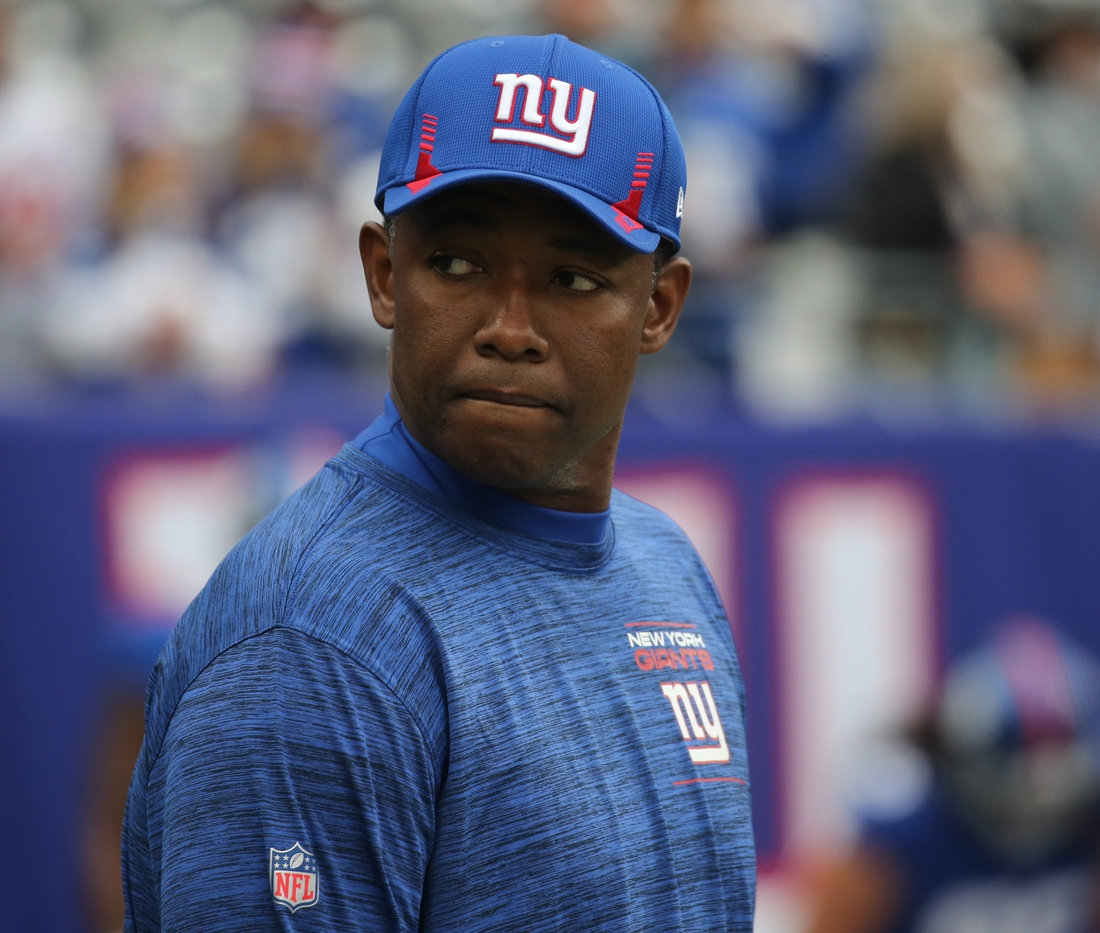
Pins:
x,y
293,877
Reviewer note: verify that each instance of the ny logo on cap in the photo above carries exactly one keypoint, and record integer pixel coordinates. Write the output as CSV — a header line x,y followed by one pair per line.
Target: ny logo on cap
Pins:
x,y
576,129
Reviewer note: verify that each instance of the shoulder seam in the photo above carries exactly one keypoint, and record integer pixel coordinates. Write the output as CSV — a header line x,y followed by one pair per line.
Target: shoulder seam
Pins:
x,y
280,613
359,664
401,588
283,616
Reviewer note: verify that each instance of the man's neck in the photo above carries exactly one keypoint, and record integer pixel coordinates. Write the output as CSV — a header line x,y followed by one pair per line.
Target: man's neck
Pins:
x,y
389,441
583,485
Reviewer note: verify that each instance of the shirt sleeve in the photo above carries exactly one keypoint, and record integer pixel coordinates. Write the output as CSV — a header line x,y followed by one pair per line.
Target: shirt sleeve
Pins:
x,y
293,790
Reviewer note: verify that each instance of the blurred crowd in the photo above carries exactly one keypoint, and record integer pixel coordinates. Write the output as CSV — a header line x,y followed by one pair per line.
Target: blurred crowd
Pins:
x,y
894,205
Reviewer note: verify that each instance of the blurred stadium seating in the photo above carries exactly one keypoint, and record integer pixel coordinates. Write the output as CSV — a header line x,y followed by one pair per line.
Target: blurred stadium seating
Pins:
x,y
892,209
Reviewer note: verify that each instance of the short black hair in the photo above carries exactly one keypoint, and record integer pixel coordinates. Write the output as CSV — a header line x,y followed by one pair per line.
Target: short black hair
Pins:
x,y
390,223
665,250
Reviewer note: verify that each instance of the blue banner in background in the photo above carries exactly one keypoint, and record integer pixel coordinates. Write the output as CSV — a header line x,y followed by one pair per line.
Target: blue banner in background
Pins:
x,y
854,562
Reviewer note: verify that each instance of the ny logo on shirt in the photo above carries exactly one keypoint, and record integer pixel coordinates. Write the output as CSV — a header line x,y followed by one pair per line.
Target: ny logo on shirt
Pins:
x,y
697,717
576,129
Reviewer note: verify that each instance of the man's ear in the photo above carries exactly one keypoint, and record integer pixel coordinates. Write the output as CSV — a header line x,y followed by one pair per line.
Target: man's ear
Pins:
x,y
374,248
665,304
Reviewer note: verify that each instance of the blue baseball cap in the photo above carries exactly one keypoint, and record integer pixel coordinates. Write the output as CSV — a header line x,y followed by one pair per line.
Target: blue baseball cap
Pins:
x,y
542,110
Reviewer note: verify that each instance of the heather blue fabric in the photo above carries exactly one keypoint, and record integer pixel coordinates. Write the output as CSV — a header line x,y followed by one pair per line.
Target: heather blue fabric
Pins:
x,y
449,116
469,727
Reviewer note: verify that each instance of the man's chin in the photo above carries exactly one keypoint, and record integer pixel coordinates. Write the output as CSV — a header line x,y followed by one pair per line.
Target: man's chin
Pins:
x,y
506,469
510,454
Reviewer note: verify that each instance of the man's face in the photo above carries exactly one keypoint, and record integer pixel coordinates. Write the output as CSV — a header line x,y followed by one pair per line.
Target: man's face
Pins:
x,y
517,324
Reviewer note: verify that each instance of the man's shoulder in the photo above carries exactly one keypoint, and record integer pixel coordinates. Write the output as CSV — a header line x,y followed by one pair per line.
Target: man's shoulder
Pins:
x,y
345,528
258,577
315,564
658,547
637,521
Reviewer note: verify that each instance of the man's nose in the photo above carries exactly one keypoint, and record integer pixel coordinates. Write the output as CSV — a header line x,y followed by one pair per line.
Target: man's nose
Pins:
x,y
509,330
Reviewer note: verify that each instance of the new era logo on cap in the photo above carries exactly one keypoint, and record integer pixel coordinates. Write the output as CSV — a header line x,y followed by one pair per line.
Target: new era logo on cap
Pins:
x,y
544,110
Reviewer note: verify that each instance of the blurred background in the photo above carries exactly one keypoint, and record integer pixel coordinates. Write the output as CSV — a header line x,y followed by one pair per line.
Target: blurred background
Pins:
x,y
879,419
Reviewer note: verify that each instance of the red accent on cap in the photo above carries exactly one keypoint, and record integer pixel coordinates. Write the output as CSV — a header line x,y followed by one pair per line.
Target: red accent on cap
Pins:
x,y
629,224
425,171
631,205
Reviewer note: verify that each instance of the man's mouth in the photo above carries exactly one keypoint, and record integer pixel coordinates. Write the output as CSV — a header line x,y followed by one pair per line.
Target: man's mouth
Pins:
x,y
501,397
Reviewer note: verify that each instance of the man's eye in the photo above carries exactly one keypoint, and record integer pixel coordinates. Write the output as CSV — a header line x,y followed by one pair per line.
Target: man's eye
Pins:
x,y
454,265
576,282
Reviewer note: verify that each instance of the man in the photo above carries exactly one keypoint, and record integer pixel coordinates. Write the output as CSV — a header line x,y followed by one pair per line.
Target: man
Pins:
x,y
996,827
455,683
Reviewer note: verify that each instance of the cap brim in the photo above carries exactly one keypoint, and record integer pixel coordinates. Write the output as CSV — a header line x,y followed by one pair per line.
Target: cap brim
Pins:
x,y
618,224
